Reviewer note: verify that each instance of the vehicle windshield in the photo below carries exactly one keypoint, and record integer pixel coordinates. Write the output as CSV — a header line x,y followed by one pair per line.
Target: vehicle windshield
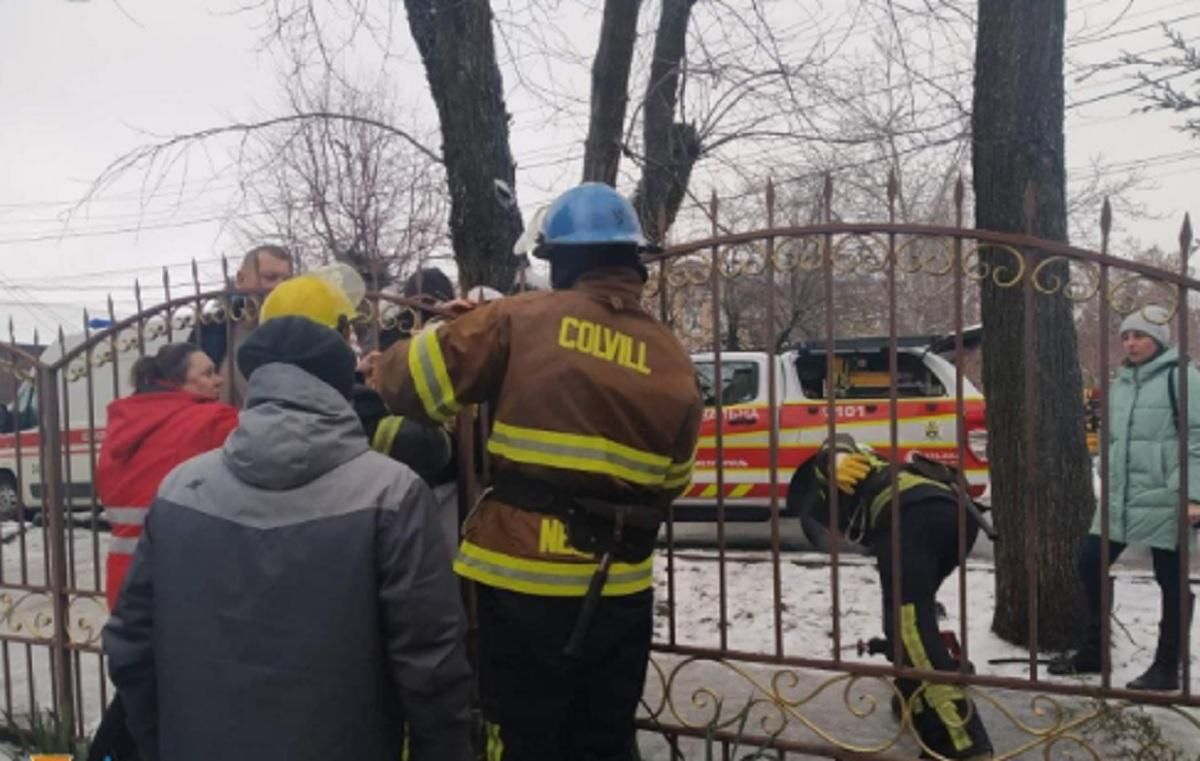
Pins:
x,y
739,382
864,375
24,409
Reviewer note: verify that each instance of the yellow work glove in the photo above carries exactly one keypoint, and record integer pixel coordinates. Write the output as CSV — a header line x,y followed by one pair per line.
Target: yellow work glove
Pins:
x,y
850,470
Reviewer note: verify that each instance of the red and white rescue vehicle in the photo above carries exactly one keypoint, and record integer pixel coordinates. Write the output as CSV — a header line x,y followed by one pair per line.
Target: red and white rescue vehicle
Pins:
x,y
926,416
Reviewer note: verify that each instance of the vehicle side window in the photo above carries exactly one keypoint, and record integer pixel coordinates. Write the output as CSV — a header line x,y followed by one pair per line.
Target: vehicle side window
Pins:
x,y
25,408
865,375
739,382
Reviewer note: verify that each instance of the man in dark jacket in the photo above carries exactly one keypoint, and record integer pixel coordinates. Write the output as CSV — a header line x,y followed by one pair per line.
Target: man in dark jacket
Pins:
x,y
291,597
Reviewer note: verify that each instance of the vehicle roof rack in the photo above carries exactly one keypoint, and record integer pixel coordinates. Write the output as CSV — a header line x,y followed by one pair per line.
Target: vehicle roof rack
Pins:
x,y
940,343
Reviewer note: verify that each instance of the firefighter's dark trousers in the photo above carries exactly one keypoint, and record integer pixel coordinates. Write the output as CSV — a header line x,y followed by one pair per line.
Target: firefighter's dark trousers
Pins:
x,y
547,706
945,719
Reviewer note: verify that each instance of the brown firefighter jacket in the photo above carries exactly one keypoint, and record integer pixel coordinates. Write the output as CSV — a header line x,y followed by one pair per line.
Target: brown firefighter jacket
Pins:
x,y
592,396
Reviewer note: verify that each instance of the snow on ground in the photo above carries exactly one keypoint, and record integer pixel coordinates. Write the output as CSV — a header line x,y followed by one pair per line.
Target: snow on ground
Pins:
x,y
806,623
806,627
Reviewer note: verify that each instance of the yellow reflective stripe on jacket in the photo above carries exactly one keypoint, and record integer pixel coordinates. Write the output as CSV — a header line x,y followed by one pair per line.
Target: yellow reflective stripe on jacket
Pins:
x,y
571,451
385,433
546,577
428,369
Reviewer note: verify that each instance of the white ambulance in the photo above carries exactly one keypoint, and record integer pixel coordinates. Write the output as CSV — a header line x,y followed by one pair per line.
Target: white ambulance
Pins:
x,y
90,381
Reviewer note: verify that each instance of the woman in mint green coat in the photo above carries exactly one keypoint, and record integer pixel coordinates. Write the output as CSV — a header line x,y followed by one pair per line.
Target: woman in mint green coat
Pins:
x,y
1143,489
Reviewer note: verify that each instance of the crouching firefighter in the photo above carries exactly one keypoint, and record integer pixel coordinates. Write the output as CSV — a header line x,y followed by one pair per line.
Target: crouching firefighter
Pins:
x,y
596,418
945,719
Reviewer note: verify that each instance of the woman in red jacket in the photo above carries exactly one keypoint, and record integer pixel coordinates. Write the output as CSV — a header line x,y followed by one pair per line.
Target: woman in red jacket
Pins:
x,y
172,416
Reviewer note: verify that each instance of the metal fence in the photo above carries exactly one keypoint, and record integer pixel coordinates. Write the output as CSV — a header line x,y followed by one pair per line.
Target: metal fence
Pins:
x,y
753,647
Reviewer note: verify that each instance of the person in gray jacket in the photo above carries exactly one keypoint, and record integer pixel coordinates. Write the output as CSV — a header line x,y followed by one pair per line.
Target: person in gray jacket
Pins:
x,y
292,596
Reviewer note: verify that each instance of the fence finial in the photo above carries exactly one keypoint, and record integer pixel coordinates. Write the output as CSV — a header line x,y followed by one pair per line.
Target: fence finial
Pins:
x,y
1185,239
167,283
960,196
112,311
224,271
714,209
137,294
827,197
893,191
195,275
1105,225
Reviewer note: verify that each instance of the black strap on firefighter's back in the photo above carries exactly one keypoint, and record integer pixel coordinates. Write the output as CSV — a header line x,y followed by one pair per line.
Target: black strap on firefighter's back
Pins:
x,y
625,530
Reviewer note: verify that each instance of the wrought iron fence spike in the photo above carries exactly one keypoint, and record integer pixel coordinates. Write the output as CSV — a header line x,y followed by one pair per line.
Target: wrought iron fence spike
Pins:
x,y
893,186
224,270
770,196
1185,236
960,193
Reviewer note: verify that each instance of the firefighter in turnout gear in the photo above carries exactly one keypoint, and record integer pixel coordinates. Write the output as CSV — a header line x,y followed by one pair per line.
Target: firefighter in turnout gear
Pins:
x,y
945,719
330,296
597,415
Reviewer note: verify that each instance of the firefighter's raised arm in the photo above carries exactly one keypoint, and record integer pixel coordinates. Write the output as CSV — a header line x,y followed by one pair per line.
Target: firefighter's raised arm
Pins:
x,y
446,366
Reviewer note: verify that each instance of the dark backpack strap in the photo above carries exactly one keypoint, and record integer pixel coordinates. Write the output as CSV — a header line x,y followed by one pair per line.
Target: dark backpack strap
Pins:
x,y
1171,395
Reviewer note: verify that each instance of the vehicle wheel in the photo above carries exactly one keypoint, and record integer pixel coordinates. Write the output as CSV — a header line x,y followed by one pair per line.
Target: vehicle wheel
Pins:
x,y
9,499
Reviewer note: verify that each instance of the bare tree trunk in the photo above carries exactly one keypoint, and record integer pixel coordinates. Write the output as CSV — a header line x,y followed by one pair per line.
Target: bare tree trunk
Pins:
x,y
610,91
1018,143
457,47
671,148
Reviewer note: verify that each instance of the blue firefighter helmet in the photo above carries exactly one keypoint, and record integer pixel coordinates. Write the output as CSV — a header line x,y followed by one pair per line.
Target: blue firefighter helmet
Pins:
x,y
591,214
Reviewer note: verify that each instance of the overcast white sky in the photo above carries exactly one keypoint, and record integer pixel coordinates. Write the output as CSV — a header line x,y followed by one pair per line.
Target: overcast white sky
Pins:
x,y
82,82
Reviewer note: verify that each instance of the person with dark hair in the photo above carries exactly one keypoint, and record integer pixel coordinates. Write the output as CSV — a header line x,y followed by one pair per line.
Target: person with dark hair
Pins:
x,y
289,598
263,268
172,416
596,420
430,286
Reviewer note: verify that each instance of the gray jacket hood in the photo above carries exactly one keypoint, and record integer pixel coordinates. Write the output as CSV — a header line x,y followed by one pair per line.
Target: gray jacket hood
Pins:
x,y
294,429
